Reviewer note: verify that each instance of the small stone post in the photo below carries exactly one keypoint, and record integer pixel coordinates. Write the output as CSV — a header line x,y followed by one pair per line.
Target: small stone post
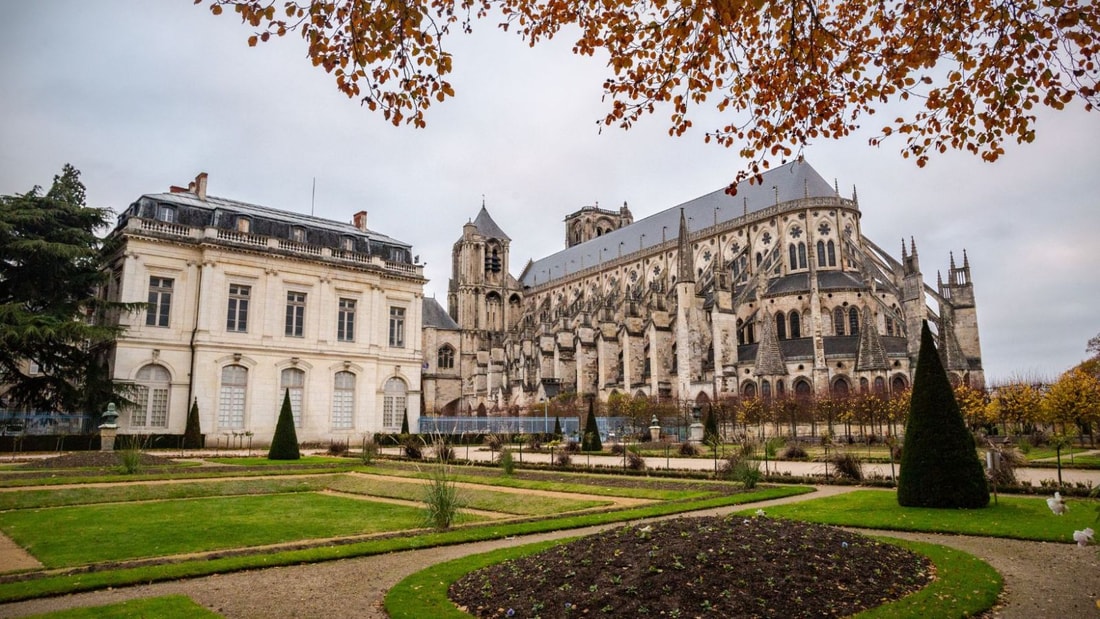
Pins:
x,y
654,429
108,429
695,430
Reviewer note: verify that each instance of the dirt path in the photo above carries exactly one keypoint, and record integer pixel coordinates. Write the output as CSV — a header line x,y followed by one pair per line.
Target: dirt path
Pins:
x,y
1041,579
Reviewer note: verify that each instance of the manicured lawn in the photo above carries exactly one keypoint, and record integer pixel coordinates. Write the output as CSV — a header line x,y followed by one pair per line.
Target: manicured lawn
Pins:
x,y
166,607
67,536
1013,517
473,498
263,461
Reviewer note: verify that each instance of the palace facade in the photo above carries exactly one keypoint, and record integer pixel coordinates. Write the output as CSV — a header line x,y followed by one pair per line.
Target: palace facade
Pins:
x,y
773,290
246,303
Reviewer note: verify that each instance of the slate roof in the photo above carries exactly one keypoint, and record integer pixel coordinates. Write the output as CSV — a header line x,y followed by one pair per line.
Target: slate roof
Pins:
x,y
794,181
487,227
826,280
435,316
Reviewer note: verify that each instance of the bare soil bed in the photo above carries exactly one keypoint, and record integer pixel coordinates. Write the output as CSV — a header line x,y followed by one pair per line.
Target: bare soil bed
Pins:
x,y
710,566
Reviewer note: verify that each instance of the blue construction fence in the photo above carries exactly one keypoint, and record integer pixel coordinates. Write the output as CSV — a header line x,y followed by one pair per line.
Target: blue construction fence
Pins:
x,y
42,423
611,428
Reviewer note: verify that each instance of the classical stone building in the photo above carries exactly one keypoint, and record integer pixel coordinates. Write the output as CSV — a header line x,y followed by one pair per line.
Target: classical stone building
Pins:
x,y
774,290
246,303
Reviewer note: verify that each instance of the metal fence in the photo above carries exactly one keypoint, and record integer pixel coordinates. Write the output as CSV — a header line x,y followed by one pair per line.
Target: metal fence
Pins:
x,y
42,423
611,428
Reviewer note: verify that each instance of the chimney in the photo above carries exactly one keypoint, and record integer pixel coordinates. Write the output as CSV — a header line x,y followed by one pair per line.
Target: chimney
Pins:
x,y
359,220
200,186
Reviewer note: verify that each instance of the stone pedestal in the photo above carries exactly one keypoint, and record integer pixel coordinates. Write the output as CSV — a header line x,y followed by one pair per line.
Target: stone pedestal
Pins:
x,y
655,433
107,437
695,433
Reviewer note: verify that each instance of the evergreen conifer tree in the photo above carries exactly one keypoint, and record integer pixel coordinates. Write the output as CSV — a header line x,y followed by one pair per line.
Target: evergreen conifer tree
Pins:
x,y
710,429
939,460
557,428
192,436
591,440
284,446
405,422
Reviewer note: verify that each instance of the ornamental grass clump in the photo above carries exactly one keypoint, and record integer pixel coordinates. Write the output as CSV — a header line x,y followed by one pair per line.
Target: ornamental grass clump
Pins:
x,y
507,462
441,496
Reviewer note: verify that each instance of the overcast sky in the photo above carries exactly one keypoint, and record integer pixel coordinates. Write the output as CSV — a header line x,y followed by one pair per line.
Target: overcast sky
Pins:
x,y
141,95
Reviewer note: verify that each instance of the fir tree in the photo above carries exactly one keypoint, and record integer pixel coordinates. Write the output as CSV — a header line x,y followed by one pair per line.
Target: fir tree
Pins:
x,y
939,460
284,446
192,436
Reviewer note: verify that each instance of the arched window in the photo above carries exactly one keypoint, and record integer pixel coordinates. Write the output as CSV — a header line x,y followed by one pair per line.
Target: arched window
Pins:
x,y
853,321
880,385
821,253
780,389
231,397
740,332
838,321
802,255
393,404
765,389
750,332
343,401
794,256
759,258
832,254
151,397
446,358
889,326
749,390
293,381
841,388
796,325
898,384
864,385
802,388
780,326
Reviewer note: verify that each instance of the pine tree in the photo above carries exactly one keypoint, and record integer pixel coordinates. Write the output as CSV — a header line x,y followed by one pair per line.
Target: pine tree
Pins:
x,y
284,445
939,460
192,436
591,440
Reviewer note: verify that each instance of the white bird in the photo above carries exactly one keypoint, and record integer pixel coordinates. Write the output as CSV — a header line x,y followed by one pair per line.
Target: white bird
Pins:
x,y
1083,538
1056,504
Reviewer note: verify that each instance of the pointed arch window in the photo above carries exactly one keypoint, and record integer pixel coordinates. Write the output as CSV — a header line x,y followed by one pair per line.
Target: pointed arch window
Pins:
x,y
838,321
832,253
343,401
446,358
802,255
853,321
821,253
765,389
749,390
780,326
793,251
880,385
796,325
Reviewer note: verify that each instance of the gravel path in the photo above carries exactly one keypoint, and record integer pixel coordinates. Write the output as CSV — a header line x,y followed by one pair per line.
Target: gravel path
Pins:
x,y
1042,579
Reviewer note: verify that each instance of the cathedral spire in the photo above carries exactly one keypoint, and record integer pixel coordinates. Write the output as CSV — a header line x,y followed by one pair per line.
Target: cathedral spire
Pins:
x,y
685,271
904,255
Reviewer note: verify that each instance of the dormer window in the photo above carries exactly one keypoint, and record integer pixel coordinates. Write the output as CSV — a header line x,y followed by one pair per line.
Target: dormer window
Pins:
x,y
244,225
167,214
298,234
347,243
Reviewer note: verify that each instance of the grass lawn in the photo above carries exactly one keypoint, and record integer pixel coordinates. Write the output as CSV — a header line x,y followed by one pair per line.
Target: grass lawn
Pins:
x,y
1013,517
472,498
263,461
166,607
67,536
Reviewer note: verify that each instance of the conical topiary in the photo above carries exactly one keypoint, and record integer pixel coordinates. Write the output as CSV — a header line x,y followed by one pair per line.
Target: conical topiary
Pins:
x,y
591,439
710,429
939,460
192,435
405,422
557,428
284,445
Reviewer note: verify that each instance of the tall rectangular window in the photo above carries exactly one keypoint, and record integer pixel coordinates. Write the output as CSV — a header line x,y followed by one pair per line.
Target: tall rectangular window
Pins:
x,y
343,401
231,402
345,321
397,327
160,302
295,313
238,308
293,383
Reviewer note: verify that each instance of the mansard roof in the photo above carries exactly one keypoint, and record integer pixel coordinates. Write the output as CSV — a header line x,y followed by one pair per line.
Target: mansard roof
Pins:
x,y
792,181
436,317
487,227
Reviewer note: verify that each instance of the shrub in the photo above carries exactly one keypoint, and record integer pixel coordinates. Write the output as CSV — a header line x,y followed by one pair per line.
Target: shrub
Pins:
x,y
1005,473
495,441
192,435
849,466
534,442
592,440
1024,447
413,446
618,449
284,445
507,463
337,447
563,458
688,449
557,428
635,461
370,450
939,465
738,467
794,451
572,447
710,430
443,451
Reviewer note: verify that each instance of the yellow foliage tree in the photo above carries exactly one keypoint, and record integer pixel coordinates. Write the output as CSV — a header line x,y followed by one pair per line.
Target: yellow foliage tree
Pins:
x,y
1017,405
972,405
970,73
1073,400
